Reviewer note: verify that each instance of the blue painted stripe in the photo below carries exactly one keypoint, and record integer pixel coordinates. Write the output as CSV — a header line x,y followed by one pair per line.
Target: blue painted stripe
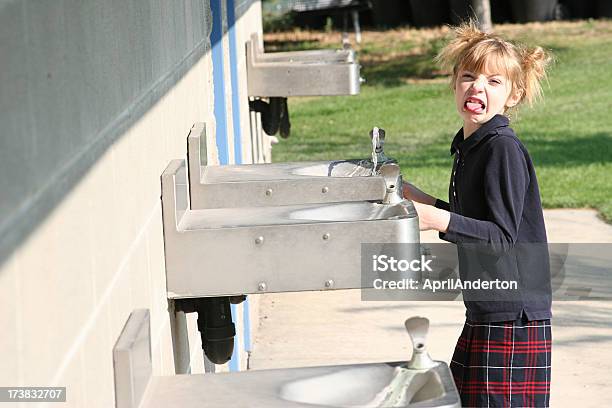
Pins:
x,y
231,22
234,363
246,308
220,110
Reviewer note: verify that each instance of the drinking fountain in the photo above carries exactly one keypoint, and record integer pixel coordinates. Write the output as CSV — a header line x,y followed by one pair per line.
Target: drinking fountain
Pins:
x,y
393,384
279,75
231,231
273,184
282,248
300,73
285,223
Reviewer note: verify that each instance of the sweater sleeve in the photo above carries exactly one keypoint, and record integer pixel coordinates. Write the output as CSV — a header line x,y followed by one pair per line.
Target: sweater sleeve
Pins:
x,y
506,179
441,204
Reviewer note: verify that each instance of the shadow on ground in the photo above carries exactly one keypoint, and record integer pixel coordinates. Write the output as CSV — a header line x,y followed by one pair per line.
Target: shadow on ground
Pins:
x,y
549,149
564,149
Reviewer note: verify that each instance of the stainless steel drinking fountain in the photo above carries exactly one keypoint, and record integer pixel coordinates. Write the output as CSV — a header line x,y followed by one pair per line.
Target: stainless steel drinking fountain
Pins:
x,y
279,75
396,384
290,226
283,248
300,73
274,184
236,230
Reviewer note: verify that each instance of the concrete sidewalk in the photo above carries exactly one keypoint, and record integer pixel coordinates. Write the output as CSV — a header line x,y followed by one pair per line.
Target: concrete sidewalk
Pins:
x,y
336,327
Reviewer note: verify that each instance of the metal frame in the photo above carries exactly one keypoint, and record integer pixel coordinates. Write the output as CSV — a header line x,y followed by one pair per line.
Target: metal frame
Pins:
x,y
269,184
235,251
303,73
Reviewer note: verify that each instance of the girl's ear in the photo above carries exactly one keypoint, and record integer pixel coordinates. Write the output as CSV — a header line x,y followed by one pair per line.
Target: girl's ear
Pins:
x,y
514,98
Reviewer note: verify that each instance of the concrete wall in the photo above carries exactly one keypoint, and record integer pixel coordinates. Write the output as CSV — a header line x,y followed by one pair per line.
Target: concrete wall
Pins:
x,y
95,99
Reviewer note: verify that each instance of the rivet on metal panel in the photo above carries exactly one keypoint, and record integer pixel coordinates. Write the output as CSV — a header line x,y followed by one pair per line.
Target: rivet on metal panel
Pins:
x,y
259,240
262,286
269,192
329,284
326,236
325,189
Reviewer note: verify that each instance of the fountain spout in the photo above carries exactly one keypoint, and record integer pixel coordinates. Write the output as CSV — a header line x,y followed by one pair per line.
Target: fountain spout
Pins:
x,y
378,155
393,181
417,327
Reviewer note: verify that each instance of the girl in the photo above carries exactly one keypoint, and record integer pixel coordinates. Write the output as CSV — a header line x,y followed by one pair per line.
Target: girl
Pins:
x,y
502,357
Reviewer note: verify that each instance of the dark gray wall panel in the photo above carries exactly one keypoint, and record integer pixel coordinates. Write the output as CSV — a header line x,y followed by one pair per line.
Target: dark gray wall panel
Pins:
x,y
74,75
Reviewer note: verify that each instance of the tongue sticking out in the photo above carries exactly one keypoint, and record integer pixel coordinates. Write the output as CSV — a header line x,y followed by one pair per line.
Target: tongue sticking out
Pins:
x,y
474,107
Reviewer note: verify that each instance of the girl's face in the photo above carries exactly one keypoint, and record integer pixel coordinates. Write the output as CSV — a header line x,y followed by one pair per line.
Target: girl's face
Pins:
x,y
481,95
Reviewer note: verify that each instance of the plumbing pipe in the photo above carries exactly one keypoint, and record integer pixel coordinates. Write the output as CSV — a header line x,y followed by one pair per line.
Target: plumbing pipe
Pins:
x,y
180,339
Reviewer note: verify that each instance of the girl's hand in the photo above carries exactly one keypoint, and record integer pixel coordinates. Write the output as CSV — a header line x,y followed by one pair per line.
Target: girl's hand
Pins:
x,y
412,193
431,217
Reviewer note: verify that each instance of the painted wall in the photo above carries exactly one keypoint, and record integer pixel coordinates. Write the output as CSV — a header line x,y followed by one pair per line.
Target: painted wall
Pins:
x,y
95,99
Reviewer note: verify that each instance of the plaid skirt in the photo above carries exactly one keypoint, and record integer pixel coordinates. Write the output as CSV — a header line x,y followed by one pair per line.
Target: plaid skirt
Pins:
x,y
503,364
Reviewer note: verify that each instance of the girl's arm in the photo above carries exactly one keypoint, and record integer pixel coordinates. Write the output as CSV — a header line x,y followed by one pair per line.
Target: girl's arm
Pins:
x,y
413,193
431,217
434,214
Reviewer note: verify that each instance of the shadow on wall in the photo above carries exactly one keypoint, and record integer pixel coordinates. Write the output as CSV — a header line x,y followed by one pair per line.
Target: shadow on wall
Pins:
x,y
78,77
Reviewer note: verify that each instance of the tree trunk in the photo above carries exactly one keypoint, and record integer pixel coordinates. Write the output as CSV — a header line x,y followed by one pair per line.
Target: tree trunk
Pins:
x,y
482,12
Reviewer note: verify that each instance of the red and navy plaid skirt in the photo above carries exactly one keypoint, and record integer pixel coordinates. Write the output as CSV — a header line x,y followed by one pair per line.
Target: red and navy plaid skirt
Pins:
x,y
503,364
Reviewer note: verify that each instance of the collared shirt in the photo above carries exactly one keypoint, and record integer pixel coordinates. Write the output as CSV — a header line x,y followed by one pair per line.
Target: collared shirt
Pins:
x,y
494,200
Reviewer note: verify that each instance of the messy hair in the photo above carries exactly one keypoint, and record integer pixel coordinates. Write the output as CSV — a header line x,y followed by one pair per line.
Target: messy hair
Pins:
x,y
475,51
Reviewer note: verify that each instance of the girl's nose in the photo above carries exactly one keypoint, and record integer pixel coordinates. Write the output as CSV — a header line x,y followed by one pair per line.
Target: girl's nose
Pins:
x,y
479,83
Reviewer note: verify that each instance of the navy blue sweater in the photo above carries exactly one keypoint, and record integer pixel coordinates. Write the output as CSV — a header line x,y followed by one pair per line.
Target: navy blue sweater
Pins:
x,y
495,207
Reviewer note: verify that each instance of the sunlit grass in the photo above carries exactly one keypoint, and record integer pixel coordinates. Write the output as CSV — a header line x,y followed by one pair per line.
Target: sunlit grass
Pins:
x,y
569,135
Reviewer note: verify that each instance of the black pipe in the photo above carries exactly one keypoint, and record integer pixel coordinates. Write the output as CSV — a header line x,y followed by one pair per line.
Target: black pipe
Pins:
x,y
215,325
274,115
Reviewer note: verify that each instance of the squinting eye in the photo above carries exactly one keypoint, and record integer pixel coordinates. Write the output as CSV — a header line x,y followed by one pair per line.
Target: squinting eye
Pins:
x,y
496,81
468,76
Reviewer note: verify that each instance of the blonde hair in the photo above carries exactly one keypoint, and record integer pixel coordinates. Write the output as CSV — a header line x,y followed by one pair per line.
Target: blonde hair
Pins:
x,y
475,51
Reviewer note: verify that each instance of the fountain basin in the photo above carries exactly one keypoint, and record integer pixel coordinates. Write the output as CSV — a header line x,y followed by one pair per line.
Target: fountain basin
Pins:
x,y
271,184
337,168
359,385
356,385
301,73
242,250
317,56
284,184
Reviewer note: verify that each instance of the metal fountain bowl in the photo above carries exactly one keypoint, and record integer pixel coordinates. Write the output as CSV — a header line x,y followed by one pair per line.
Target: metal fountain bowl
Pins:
x,y
284,184
301,73
372,385
356,385
317,56
336,168
271,184
273,248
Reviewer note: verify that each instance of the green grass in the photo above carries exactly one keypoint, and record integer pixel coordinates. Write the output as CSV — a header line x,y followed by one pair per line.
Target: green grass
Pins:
x,y
569,135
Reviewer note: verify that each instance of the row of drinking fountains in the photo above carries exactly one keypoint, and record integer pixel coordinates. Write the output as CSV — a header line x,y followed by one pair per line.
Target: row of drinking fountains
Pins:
x,y
235,230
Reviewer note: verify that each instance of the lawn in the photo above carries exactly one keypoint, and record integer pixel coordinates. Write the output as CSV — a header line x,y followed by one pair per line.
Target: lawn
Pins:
x,y
569,134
